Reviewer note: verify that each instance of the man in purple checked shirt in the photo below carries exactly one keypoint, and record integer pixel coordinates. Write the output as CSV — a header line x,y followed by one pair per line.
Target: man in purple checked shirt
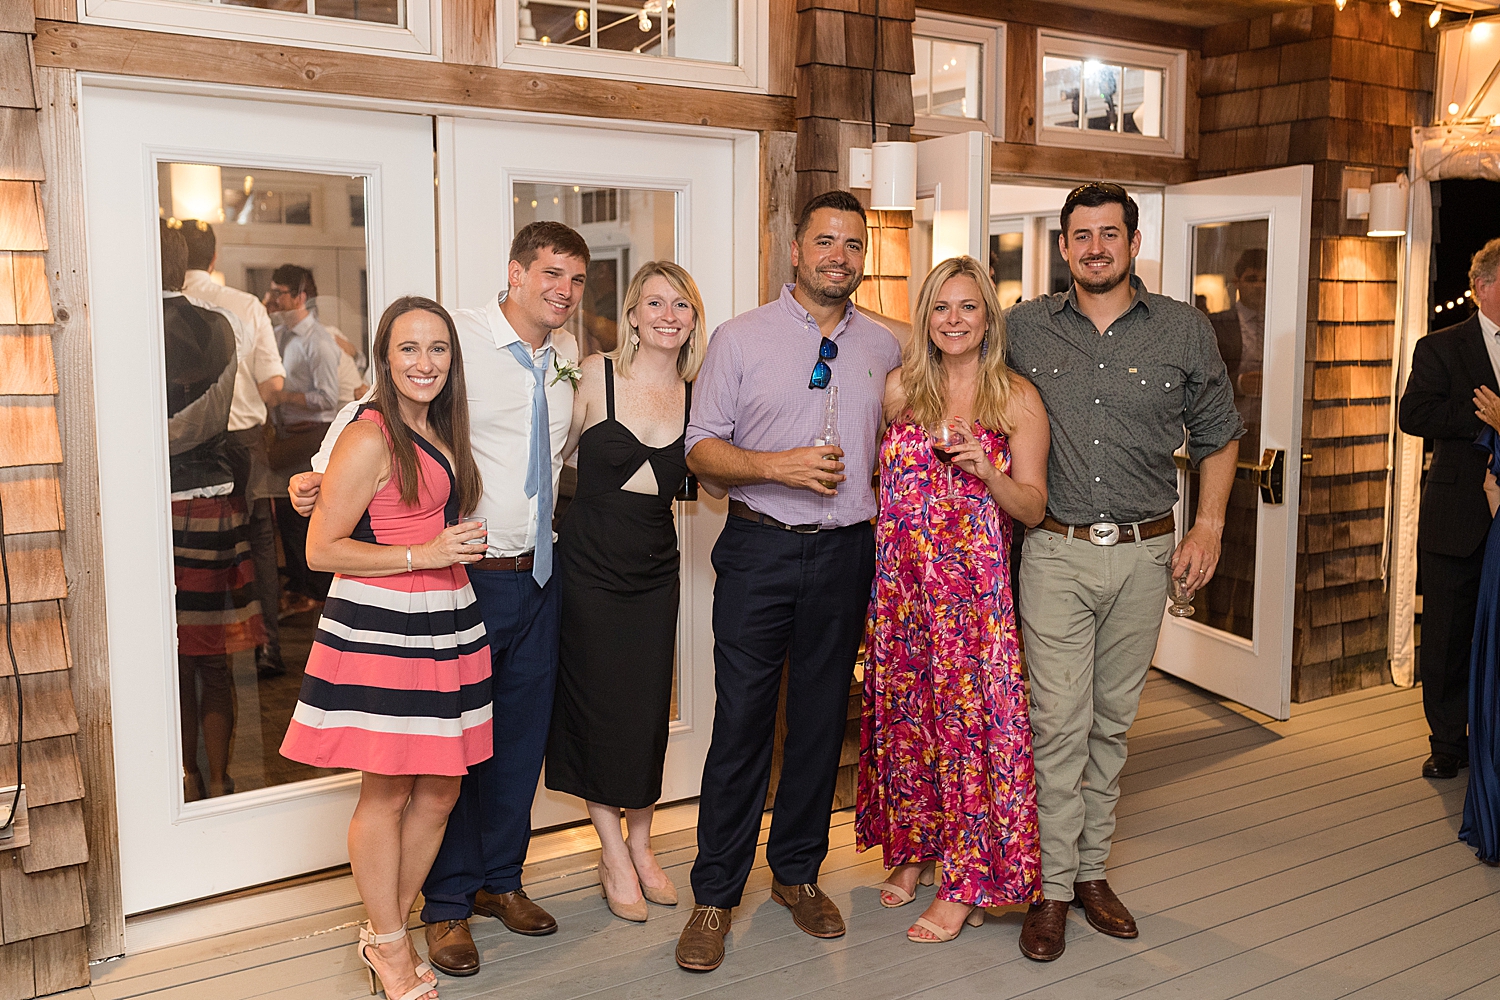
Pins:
x,y
794,564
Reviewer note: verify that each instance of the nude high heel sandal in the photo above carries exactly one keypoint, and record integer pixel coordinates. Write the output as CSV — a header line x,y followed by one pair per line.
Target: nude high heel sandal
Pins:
x,y
367,939
974,919
635,912
926,876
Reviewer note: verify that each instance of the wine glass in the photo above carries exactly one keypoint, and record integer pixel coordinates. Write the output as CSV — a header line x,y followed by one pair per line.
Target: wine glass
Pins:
x,y
1182,598
944,437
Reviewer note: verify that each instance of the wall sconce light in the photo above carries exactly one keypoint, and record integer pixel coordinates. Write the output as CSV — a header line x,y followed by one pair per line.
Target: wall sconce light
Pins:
x,y
893,176
1383,205
197,192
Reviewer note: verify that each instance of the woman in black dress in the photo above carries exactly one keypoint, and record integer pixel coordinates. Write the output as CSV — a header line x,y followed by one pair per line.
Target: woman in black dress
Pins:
x,y
617,563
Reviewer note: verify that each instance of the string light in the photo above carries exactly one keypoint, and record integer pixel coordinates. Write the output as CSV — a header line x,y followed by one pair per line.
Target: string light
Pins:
x,y
581,20
1395,8
1339,4
1435,16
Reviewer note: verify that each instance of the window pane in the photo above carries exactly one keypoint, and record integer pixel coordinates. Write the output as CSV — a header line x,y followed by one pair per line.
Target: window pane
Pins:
x,y
702,29
244,636
921,80
1142,101
955,79
292,6
376,11
1101,92
1005,266
1060,91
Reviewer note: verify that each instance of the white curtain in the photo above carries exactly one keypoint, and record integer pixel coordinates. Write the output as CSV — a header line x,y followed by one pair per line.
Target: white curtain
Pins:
x,y
1470,152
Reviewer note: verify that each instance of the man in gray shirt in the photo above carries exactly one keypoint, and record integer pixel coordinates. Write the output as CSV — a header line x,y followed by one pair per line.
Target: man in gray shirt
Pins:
x,y
1124,373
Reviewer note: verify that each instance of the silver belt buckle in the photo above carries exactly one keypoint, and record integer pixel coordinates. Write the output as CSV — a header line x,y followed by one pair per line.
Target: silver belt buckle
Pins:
x,y
1104,533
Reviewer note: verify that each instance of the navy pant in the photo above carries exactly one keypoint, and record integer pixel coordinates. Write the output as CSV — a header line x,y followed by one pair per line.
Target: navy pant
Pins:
x,y
490,826
1450,597
778,592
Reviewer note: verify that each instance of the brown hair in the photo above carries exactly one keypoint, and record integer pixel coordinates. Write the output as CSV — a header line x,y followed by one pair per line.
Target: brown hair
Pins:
x,y
922,378
839,201
448,414
297,280
201,244
554,236
174,256
1485,265
690,357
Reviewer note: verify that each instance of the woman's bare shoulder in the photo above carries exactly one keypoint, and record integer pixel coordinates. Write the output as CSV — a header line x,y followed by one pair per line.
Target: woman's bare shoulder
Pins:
x,y
362,442
895,395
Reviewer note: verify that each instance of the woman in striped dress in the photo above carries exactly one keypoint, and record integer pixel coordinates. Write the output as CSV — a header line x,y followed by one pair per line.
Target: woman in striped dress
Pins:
x,y
398,680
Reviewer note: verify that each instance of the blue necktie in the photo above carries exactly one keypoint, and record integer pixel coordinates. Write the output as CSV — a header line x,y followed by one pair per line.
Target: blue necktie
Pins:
x,y
539,463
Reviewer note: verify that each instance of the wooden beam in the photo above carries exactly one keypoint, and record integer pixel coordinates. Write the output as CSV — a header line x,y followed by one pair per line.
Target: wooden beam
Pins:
x,y
1089,165
782,43
1118,27
86,633
101,49
469,32
1020,84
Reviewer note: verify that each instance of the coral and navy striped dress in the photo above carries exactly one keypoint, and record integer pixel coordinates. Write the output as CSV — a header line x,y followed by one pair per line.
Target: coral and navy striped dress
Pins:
x,y
398,680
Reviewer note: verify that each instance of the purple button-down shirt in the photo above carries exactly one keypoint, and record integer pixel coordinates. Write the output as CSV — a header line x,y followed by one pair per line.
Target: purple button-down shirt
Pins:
x,y
753,393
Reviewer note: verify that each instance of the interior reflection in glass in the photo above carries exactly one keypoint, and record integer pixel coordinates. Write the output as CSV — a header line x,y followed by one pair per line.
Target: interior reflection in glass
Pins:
x,y
624,228
276,261
706,30
1229,285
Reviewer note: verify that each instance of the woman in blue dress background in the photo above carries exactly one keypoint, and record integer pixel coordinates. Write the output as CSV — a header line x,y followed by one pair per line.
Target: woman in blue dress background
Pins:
x,y
1481,826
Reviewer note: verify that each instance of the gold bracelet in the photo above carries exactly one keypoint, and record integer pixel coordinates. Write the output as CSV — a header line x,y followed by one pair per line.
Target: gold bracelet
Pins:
x,y
408,558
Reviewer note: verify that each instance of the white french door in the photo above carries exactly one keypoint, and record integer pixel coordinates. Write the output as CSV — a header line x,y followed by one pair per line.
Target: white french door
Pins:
x,y
349,195
1237,247
954,171
635,196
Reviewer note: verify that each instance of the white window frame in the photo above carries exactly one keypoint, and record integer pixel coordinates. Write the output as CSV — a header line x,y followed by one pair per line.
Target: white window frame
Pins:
x,y
419,38
990,36
749,74
1172,63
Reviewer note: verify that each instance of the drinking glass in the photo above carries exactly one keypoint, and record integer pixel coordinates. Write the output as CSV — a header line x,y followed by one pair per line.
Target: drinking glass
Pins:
x,y
1182,598
944,437
483,539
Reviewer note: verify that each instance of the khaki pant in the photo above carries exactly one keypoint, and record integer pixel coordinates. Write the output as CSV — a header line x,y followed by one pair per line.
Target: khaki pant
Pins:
x,y
1090,615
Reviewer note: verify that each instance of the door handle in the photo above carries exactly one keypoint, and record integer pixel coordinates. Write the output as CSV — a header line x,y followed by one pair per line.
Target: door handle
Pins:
x,y
1270,475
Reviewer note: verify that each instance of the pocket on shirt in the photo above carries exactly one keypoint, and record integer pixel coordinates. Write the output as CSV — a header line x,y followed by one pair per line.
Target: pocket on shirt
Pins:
x,y
1041,373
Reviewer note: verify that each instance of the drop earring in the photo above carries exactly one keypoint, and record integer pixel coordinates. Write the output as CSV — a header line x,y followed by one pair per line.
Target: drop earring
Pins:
x,y
984,349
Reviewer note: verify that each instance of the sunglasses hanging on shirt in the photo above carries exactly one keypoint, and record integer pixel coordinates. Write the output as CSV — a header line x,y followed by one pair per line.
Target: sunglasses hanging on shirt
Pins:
x,y
821,373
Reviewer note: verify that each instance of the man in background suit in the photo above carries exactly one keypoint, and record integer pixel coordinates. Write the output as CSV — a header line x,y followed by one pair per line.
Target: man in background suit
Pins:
x,y
1453,371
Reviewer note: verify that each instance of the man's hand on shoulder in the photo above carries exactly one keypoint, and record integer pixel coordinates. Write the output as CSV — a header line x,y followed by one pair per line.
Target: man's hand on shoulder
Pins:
x,y
303,490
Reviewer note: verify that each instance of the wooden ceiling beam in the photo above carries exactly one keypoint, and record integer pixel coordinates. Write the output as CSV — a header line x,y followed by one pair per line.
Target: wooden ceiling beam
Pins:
x,y
102,49
1120,27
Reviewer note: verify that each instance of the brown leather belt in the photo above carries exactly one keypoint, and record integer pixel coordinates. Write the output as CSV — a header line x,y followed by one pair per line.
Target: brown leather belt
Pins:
x,y
505,564
1109,533
740,508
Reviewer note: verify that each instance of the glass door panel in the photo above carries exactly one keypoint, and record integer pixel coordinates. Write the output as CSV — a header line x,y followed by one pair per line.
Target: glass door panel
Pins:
x,y
1229,285
242,636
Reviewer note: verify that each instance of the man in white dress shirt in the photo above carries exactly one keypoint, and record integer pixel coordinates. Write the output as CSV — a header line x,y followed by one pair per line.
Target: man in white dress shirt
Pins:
x,y
260,378
478,868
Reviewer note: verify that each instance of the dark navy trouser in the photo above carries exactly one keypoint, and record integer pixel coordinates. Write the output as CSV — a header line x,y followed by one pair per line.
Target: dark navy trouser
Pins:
x,y
778,592
490,826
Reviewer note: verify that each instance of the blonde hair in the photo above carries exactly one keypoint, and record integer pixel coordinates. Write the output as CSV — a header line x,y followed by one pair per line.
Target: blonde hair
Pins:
x,y
690,357
922,377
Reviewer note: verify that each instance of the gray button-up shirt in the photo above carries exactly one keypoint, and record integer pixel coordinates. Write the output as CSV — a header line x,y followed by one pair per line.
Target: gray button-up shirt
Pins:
x,y
1118,401
753,393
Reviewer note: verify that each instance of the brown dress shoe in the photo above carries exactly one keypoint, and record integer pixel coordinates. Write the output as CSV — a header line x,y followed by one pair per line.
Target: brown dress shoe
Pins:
x,y
517,912
1103,908
700,948
812,911
450,948
1042,935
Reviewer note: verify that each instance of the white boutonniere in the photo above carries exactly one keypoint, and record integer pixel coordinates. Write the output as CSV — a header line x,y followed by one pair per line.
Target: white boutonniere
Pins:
x,y
565,369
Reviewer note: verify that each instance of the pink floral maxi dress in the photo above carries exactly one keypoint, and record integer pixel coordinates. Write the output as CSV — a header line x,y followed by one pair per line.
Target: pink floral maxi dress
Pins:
x,y
945,764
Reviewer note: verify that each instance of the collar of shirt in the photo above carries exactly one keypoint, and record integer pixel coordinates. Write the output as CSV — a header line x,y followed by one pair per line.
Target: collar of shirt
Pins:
x,y
503,332
305,327
1487,326
172,295
801,315
1139,298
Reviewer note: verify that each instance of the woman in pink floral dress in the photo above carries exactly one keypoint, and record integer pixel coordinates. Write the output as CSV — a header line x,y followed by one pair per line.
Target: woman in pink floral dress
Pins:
x,y
946,770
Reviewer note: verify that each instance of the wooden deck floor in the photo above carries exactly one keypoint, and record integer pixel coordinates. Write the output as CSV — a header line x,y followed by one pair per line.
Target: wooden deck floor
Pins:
x,y
1304,859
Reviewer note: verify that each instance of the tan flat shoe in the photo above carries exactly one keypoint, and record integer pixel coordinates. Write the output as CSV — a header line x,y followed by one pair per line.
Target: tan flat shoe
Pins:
x,y
926,876
941,935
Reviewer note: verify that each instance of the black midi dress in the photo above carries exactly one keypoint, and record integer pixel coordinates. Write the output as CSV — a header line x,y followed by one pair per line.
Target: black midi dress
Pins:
x,y
617,562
